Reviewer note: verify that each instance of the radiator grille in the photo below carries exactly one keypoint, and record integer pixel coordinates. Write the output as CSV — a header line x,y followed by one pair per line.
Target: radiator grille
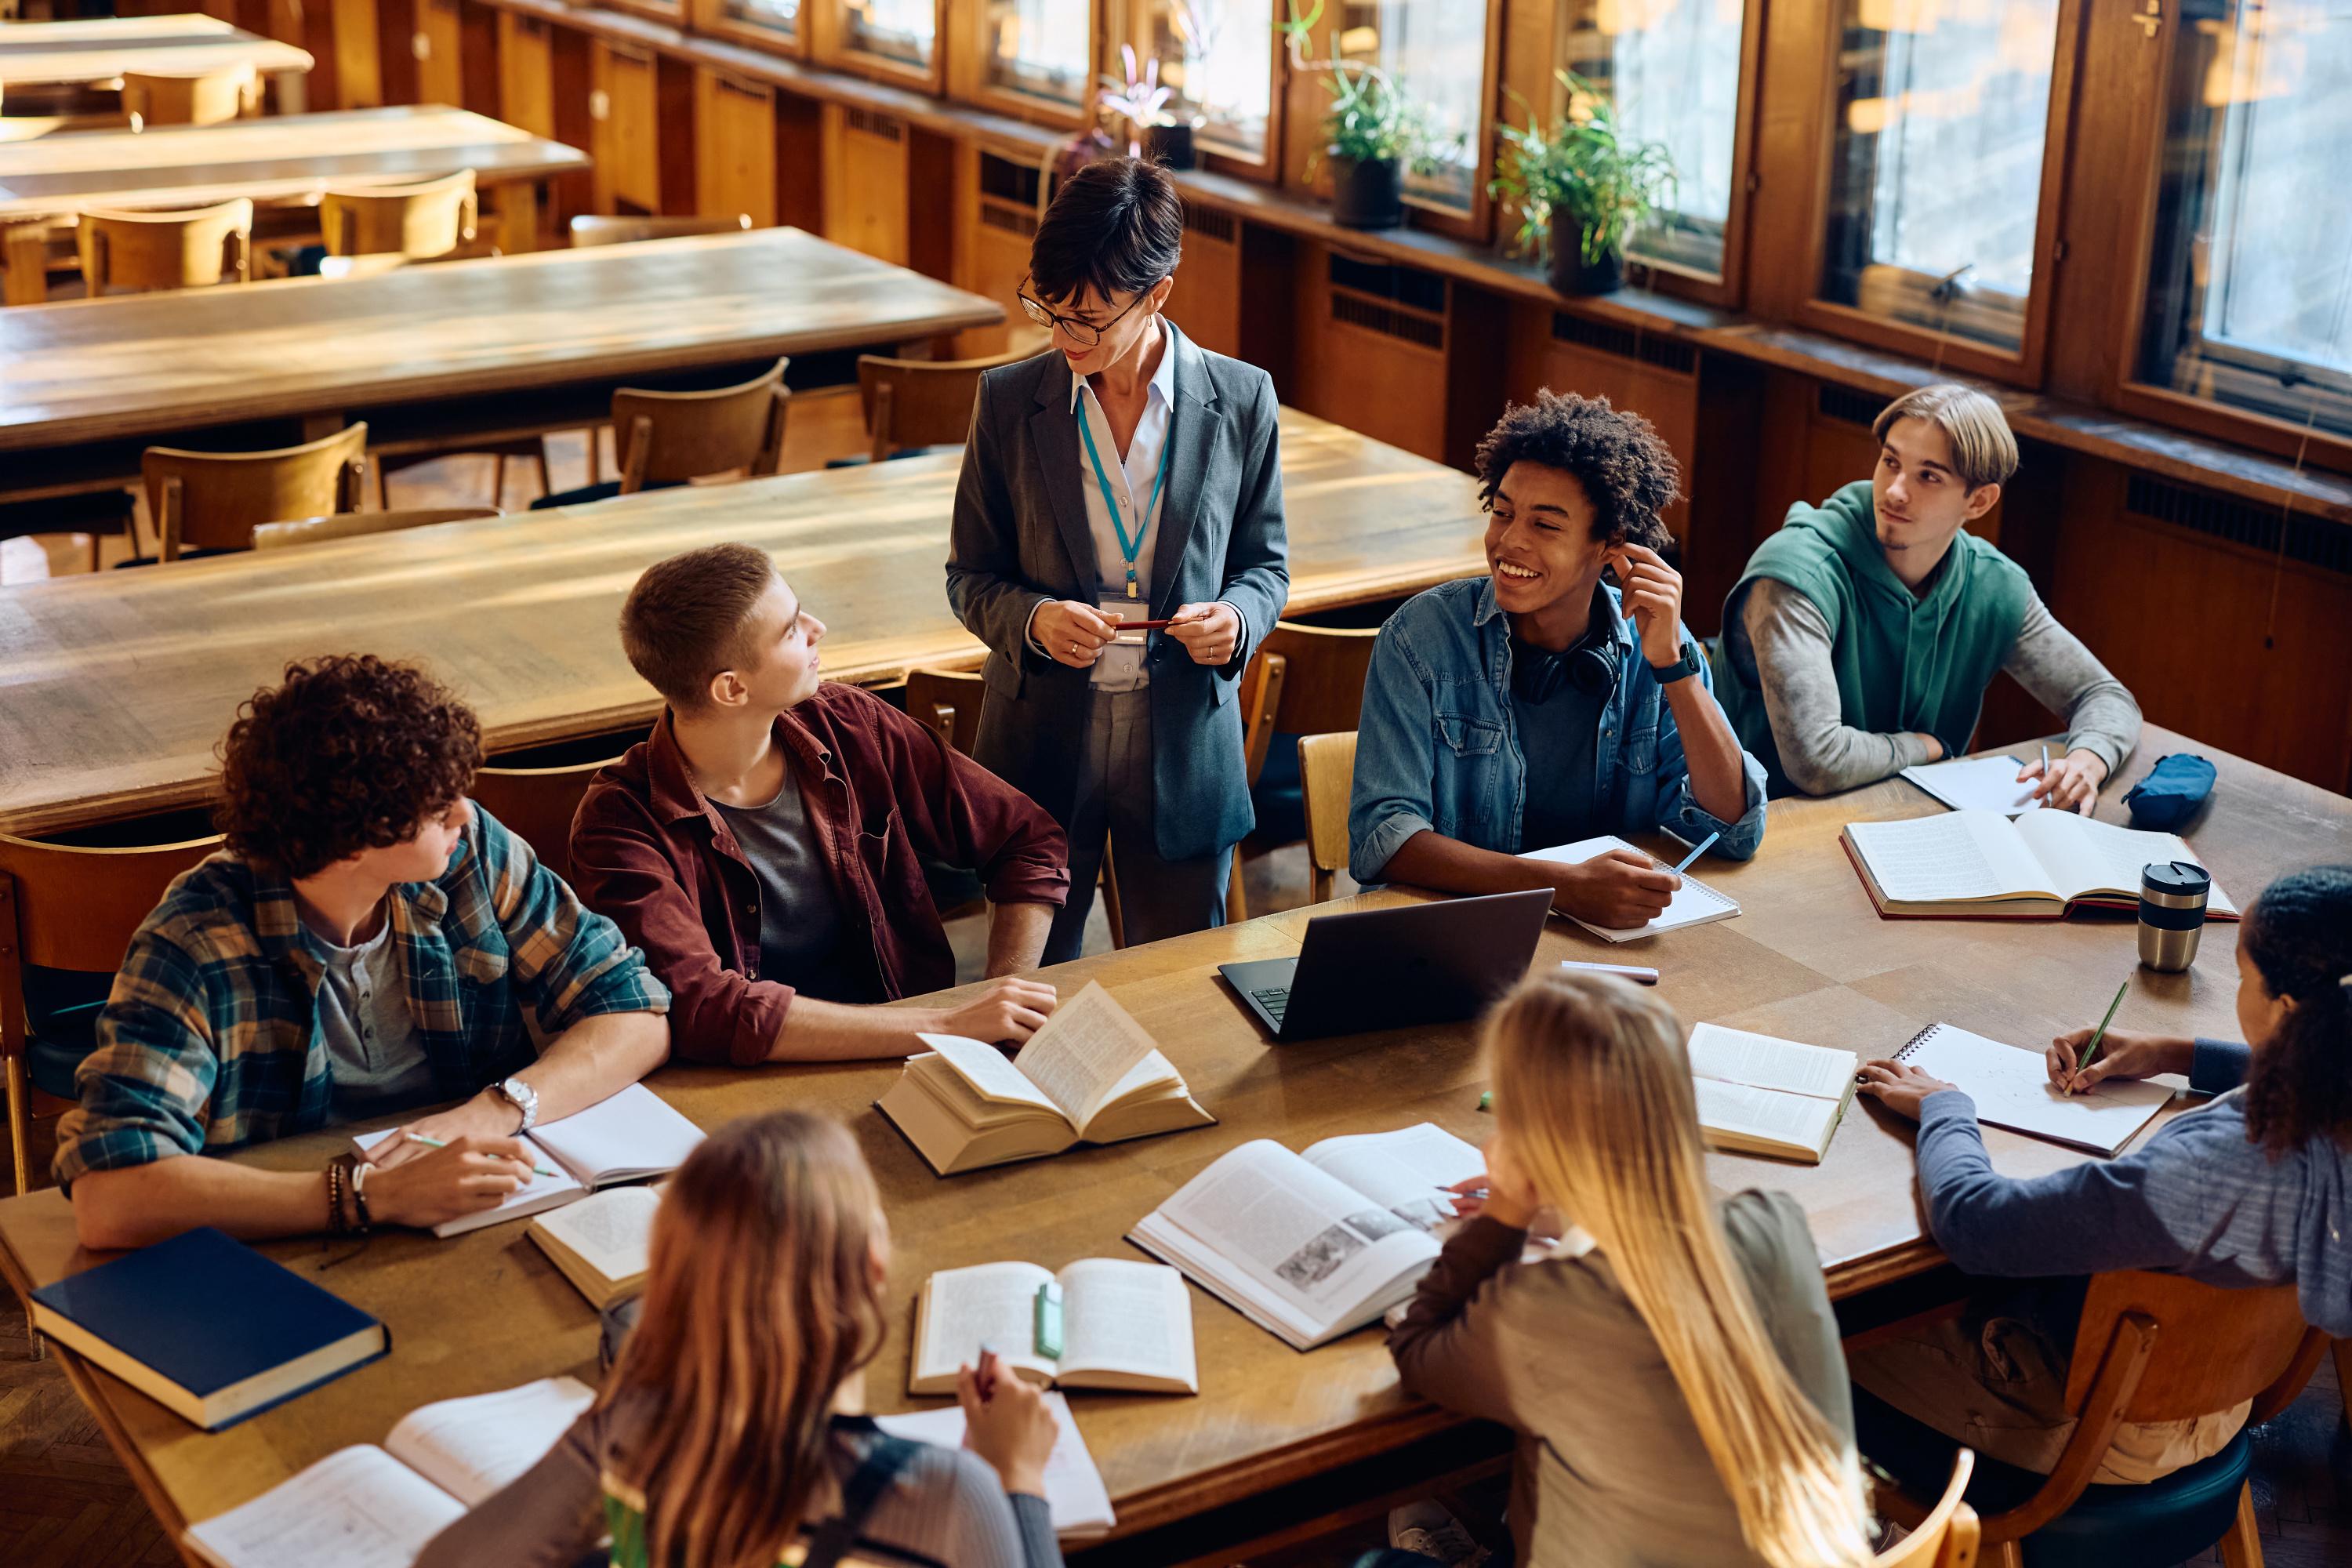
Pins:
x,y
1843,403
2312,541
1012,220
1386,280
1210,224
887,127
1624,342
1375,317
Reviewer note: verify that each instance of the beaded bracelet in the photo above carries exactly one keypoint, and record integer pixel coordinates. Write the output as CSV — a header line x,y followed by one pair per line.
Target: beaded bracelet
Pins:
x,y
335,1220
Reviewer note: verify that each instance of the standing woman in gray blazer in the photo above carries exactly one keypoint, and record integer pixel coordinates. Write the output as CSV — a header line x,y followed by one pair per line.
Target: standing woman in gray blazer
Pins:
x,y
1124,474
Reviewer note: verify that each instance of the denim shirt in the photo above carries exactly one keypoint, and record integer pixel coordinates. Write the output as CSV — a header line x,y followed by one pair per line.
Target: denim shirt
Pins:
x,y
1437,748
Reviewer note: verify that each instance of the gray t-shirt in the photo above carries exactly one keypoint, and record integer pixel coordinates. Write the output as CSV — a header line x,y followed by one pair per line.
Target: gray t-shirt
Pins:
x,y
1558,732
375,1053
803,943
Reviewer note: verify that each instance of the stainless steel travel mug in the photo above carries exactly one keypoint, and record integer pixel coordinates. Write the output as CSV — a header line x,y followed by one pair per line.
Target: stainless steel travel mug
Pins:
x,y
2171,914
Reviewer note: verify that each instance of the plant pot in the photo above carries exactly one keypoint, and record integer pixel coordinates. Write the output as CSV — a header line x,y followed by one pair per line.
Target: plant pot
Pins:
x,y
1571,274
1170,146
1367,193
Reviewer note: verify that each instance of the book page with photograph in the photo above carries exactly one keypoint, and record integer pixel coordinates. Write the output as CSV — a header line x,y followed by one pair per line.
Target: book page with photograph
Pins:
x,y
1404,1171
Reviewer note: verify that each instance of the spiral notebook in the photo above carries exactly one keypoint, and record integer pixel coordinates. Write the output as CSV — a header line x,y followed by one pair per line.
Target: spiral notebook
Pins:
x,y
2011,1088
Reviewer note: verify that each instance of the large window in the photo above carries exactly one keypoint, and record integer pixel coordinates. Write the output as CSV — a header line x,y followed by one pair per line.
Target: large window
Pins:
x,y
2250,296
1039,49
1936,174
775,16
1436,51
903,31
1672,69
1216,58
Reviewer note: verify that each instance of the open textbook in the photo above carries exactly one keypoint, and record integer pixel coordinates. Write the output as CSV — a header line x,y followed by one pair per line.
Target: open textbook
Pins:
x,y
601,1243
1983,865
366,1507
1312,1245
1124,1325
1694,903
1090,1075
1760,1095
2012,1089
626,1138
1076,1498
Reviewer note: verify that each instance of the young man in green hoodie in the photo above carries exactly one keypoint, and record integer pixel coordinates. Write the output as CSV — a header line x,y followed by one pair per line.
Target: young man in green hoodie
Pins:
x,y
1862,635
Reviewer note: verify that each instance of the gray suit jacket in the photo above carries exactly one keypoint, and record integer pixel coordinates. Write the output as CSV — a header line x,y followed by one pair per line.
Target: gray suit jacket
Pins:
x,y
1020,537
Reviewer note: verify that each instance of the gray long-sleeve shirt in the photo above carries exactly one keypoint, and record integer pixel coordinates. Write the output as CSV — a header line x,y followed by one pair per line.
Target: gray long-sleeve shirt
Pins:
x,y
1782,641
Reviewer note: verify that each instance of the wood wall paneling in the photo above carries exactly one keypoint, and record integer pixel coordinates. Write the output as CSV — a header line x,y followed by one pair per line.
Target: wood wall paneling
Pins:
x,y
1368,363
527,74
735,146
1206,301
479,30
1654,377
800,161
993,228
359,68
625,103
931,237
439,46
866,181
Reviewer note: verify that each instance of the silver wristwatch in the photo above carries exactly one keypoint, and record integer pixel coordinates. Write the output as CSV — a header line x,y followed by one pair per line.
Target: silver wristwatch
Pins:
x,y
522,1097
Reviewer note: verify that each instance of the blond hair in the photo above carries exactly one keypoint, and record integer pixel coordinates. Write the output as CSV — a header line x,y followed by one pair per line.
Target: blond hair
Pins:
x,y
760,1302
1983,450
1593,1095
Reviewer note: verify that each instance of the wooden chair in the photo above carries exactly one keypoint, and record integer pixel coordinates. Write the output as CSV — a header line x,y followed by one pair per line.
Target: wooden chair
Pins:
x,y
593,228
2150,1347
538,805
232,92
351,524
70,910
191,249
921,402
430,218
949,700
1948,1536
1327,778
1303,680
213,501
667,437
33,557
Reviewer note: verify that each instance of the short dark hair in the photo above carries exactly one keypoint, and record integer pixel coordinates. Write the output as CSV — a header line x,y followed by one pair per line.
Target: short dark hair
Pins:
x,y
1626,468
683,622
2299,936
1117,223
350,753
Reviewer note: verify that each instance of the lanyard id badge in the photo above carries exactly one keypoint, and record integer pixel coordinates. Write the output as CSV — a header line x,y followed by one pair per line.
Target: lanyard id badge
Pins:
x,y
1129,548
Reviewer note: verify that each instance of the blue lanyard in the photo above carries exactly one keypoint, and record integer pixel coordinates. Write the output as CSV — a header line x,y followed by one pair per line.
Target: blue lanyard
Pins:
x,y
1126,549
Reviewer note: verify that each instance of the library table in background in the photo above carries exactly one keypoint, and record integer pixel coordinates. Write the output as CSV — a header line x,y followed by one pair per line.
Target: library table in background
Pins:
x,y
118,684
1274,1436
96,51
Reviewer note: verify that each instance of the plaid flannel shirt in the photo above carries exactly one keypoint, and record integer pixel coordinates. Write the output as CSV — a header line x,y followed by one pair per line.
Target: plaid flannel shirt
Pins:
x,y
210,1037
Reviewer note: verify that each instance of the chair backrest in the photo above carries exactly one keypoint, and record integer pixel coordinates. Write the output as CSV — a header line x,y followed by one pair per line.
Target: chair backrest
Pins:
x,y
665,438
431,219
1948,1536
1326,777
1303,680
191,249
596,228
232,92
76,907
921,402
947,701
214,501
351,524
2213,1348
538,804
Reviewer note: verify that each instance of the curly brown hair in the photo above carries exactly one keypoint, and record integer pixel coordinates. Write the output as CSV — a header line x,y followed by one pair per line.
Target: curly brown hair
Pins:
x,y
350,753
1626,468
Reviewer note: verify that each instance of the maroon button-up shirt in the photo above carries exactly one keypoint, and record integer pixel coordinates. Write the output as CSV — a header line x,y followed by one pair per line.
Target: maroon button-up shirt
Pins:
x,y
882,793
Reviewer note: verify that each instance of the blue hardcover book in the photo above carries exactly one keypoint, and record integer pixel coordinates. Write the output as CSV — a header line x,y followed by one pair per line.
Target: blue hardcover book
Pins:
x,y
207,1327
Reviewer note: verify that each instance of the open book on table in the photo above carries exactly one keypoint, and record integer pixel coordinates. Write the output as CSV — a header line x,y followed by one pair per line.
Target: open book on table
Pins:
x,y
1090,1075
1693,904
1124,1325
1760,1095
625,1138
366,1507
603,1243
1982,865
1312,1245
1076,1499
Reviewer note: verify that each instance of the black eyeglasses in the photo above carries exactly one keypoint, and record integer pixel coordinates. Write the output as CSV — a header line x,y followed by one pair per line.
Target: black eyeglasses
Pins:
x,y
1085,334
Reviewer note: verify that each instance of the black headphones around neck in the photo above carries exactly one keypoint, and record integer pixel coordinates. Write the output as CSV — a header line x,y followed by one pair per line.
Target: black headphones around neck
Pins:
x,y
1590,665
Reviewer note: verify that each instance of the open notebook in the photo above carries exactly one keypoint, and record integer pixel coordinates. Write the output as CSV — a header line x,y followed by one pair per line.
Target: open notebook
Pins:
x,y
1760,1095
1981,865
1076,1498
1124,1325
1977,784
2011,1088
366,1507
1694,904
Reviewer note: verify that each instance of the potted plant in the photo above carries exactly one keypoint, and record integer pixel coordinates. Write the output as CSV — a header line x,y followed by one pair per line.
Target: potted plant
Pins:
x,y
1373,133
1142,103
1581,187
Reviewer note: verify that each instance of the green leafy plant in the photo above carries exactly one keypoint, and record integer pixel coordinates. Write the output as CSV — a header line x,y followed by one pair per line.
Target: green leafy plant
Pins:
x,y
1371,119
1583,168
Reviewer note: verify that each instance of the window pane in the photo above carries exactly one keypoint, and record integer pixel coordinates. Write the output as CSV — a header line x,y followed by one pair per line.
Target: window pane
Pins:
x,y
1436,50
1936,178
1672,67
782,16
1216,57
902,30
1038,47
2252,267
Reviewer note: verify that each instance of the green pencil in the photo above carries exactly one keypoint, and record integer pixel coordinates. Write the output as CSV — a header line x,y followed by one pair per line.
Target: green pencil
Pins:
x,y
2100,1033
436,1143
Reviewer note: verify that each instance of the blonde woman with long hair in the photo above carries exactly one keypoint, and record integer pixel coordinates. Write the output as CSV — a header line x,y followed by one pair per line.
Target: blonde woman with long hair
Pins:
x,y
1672,1365
719,1440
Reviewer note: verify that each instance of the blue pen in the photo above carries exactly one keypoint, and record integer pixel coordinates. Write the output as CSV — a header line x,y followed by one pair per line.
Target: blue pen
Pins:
x,y
1704,845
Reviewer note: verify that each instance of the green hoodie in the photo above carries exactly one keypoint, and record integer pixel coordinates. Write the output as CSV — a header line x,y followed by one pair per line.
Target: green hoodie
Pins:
x,y
1902,663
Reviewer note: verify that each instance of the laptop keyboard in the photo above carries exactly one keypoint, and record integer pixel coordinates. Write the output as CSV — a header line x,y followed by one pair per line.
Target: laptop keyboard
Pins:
x,y
1274,999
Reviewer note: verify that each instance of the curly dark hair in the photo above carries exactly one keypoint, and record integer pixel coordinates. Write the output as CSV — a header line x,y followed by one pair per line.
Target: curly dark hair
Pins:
x,y
350,753
1626,468
2299,936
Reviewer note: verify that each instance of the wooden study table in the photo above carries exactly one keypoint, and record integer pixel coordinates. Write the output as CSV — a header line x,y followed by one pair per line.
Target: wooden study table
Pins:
x,y
504,344
283,161
96,51
1807,959
117,684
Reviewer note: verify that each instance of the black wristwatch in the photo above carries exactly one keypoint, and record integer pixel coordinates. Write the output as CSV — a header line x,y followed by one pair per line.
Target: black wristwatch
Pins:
x,y
1682,668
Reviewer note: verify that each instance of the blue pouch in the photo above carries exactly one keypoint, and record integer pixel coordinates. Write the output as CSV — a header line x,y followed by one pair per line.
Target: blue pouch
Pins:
x,y
2171,793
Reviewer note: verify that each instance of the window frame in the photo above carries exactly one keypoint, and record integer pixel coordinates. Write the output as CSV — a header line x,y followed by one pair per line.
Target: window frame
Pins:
x,y
968,71
674,11
710,18
1128,22
829,46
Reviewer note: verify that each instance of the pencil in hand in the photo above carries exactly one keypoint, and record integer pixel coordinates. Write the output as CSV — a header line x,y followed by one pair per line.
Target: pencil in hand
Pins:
x,y
2097,1036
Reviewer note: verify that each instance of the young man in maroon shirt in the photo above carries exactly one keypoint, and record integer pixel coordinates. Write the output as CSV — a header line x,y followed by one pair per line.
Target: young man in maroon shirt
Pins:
x,y
765,846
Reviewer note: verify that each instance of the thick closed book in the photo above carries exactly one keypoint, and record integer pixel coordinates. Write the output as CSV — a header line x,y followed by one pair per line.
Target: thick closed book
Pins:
x,y
207,1327
1981,865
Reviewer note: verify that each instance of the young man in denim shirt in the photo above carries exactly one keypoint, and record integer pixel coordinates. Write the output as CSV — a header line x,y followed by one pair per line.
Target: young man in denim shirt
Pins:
x,y
1538,705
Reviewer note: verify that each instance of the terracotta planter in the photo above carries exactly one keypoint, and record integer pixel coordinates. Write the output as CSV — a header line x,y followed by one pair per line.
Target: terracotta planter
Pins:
x,y
1367,194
